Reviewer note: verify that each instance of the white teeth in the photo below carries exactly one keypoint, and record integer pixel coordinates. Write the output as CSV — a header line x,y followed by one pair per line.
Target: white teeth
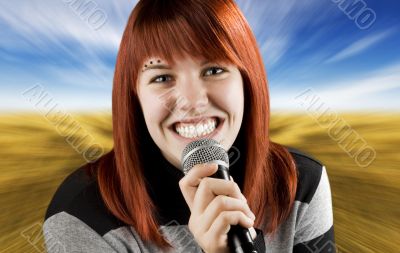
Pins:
x,y
193,131
199,129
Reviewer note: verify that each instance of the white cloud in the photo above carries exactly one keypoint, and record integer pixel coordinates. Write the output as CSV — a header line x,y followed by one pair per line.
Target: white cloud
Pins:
x,y
372,91
382,80
43,22
276,23
274,48
57,31
359,46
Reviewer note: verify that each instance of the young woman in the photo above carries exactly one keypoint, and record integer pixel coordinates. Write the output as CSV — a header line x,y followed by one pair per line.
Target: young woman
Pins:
x,y
189,69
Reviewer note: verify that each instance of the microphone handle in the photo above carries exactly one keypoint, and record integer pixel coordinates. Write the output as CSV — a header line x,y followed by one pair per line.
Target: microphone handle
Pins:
x,y
239,238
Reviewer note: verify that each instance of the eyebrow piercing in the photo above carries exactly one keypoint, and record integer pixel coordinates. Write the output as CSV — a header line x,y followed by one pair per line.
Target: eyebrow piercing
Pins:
x,y
151,62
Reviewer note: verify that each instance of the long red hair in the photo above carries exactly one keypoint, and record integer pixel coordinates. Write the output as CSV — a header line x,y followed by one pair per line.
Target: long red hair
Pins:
x,y
218,31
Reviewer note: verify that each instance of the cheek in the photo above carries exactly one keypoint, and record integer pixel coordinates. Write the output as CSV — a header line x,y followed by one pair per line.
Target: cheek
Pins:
x,y
229,96
155,108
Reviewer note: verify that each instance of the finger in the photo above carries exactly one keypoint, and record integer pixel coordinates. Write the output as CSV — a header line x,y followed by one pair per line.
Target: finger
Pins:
x,y
209,188
224,203
244,198
222,224
253,233
189,183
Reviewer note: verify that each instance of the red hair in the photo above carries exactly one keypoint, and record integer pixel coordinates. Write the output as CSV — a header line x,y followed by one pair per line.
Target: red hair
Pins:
x,y
217,31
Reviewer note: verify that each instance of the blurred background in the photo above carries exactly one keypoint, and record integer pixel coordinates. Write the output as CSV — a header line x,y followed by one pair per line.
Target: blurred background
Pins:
x,y
334,76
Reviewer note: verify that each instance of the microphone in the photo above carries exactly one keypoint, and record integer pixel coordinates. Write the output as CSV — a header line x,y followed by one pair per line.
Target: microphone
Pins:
x,y
210,151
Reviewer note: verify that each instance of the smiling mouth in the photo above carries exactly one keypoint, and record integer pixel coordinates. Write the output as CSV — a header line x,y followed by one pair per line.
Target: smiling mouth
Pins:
x,y
204,128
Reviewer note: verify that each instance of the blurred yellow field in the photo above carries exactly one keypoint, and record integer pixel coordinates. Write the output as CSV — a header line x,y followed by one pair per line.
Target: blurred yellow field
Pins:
x,y
37,152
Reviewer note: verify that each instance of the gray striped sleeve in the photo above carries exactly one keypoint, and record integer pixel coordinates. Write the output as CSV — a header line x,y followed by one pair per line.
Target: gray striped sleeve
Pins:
x,y
316,218
65,233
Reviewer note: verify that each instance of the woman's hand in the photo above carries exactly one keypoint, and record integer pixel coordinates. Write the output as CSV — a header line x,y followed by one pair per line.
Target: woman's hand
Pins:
x,y
215,205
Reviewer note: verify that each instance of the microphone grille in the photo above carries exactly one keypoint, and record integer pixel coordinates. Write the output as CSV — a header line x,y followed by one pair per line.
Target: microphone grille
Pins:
x,y
203,151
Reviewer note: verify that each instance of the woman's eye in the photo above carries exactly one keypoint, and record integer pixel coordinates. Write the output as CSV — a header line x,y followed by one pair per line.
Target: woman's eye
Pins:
x,y
214,71
161,79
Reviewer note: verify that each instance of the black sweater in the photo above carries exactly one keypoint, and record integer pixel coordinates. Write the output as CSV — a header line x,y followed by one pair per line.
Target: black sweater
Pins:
x,y
78,221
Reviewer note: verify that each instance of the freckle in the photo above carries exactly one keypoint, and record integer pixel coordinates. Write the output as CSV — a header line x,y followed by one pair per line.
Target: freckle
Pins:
x,y
145,65
158,61
151,62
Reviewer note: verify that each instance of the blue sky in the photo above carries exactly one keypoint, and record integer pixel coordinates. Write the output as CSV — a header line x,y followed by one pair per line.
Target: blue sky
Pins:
x,y
353,64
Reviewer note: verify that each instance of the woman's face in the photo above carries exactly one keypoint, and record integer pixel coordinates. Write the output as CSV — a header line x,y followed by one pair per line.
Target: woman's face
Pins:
x,y
190,100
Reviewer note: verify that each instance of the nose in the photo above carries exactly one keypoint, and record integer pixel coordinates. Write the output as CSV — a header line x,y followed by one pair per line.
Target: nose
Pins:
x,y
192,98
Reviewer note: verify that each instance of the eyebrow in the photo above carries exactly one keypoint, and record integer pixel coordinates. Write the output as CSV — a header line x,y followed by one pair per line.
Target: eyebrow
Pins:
x,y
158,66
162,66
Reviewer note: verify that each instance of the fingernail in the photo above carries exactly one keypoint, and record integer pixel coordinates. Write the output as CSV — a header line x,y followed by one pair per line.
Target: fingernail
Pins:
x,y
252,216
